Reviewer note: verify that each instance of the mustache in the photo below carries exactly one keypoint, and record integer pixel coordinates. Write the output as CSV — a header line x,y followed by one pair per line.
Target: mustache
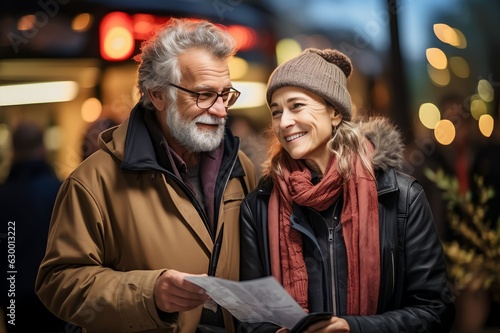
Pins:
x,y
210,120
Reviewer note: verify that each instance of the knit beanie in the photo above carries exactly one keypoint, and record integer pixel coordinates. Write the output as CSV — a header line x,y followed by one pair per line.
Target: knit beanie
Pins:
x,y
323,72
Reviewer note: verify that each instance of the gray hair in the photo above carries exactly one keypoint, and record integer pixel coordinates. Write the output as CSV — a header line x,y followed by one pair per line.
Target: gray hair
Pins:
x,y
158,60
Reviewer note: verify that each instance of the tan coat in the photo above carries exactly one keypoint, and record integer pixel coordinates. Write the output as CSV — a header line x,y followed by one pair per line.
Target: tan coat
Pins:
x,y
114,231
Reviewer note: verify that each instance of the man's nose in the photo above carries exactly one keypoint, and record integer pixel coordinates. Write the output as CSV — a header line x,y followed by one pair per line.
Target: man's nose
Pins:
x,y
218,109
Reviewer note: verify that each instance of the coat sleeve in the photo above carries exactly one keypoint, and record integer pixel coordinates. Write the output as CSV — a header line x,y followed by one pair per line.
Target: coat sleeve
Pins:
x,y
252,244
73,281
427,303
251,263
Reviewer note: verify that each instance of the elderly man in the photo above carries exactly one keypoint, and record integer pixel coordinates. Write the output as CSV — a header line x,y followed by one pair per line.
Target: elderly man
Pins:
x,y
160,200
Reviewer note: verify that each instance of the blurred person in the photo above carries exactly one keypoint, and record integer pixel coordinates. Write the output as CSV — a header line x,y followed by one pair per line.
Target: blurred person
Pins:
x,y
90,142
160,200
27,198
333,219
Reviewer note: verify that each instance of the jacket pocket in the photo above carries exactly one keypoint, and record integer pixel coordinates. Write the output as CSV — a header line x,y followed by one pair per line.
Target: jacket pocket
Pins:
x,y
233,200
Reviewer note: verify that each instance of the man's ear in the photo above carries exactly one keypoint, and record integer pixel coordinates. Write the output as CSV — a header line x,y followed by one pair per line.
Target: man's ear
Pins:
x,y
159,99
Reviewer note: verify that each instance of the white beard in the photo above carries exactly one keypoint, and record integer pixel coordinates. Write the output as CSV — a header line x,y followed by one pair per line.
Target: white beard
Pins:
x,y
190,136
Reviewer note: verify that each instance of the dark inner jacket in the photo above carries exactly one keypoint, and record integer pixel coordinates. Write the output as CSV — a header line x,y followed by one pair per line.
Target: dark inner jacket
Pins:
x,y
160,158
212,178
414,292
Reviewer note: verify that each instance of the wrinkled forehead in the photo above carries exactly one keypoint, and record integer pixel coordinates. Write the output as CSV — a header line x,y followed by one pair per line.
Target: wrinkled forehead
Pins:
x,y
198,65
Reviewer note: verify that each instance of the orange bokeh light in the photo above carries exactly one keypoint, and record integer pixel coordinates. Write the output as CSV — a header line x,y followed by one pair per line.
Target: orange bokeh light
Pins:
x,y
245,37
116,36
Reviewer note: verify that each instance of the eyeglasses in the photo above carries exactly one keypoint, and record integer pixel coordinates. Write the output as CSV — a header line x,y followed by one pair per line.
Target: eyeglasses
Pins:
x,y
206,99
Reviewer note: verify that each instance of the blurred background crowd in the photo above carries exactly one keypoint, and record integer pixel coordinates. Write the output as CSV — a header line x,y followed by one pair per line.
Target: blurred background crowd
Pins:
x,y
431,66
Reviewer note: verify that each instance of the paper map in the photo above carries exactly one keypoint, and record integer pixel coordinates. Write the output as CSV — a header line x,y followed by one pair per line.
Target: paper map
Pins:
x,y
259,300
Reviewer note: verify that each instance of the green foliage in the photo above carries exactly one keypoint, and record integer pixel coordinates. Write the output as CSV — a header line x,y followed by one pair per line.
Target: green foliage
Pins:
x,y
474,257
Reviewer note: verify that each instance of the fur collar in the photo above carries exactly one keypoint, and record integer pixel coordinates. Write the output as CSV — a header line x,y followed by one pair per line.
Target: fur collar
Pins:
x,y
388,142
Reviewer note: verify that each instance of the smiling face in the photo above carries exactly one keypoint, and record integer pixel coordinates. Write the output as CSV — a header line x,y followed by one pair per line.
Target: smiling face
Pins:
x,y
188,128
303,124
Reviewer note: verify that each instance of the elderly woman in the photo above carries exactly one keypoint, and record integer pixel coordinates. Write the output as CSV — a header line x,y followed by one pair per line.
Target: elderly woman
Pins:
x,y
333,219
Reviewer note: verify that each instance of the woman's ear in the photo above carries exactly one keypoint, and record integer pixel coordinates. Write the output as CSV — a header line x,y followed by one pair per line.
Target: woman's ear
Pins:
x,y
158,99
336,117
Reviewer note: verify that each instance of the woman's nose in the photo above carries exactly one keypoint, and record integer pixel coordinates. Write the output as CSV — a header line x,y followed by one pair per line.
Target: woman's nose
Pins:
x,y
287,119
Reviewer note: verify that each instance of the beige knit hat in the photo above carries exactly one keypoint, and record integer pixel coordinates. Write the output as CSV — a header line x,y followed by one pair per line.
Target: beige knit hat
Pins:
x,y
323,72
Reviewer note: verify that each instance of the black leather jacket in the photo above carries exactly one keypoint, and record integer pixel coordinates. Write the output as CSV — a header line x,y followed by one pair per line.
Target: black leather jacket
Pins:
x,y
415,295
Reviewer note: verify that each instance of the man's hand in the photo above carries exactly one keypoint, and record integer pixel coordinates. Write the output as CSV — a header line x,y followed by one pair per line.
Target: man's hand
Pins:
x,y
174,294
334,324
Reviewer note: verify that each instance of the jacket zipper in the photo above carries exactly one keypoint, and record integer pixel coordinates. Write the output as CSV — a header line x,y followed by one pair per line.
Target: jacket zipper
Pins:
x,y
214,259
226,181
393,272
331,242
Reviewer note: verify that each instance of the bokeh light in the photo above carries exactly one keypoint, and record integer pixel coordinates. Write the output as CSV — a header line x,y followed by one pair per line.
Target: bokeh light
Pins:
x,y
440,77
436,58
82,22
459,67
245,37
486,124
429,115
286,49
477,108
444,132
91,110
462,41
27,22
485,90
238,67
446,34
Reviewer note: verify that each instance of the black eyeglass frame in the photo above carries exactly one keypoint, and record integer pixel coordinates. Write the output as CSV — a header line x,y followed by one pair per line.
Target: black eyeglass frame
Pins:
x,y
198,94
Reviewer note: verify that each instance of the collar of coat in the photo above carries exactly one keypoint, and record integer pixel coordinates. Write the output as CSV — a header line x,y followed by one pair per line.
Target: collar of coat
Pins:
x,y
131,144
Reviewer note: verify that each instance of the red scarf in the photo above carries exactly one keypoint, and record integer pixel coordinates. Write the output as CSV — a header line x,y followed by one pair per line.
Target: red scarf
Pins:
x,y
360,228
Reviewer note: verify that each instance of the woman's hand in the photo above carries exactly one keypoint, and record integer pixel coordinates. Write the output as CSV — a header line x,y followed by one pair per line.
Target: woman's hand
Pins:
x,y
334,324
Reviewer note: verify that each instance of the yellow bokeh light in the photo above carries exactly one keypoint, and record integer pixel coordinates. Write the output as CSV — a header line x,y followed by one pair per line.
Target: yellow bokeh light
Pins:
x,y
40,92
238,67
444,132
486,124
91,110
450,35
52,138
252,94
477,108
485,90
82,22
286,49
459,67
429,115
440,77
446,34
462,41
436,58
